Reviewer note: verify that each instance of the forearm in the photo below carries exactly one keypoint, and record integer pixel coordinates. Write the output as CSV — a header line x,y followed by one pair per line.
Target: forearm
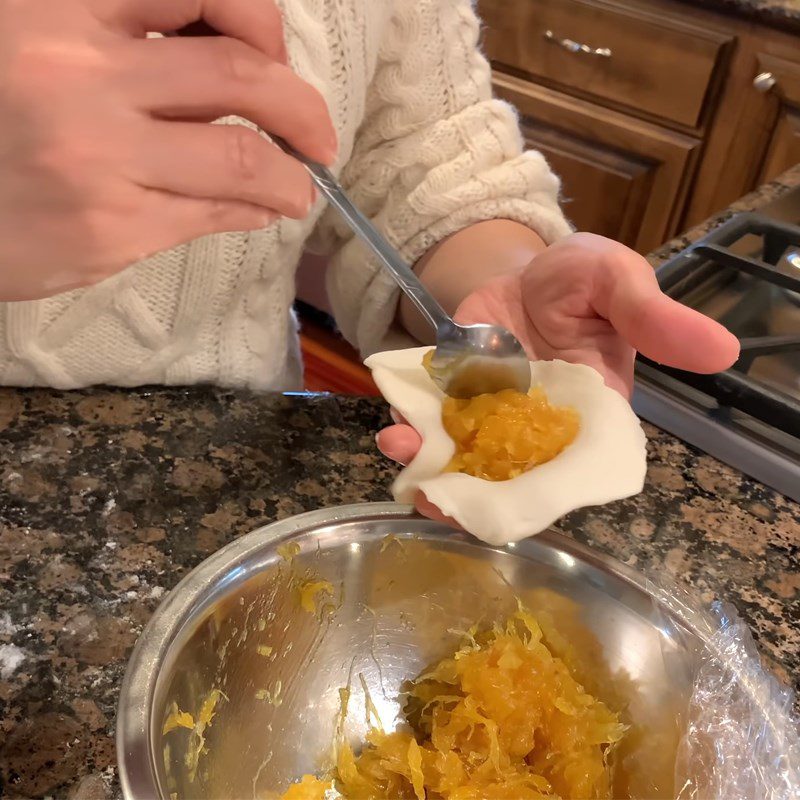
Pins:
x,y
466,260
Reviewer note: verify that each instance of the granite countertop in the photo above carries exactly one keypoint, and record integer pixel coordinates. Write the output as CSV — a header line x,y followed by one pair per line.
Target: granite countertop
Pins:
x,y
109,497
781,14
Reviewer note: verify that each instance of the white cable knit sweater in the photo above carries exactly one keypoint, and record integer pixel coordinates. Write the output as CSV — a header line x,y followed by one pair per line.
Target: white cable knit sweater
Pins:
x,y
425,151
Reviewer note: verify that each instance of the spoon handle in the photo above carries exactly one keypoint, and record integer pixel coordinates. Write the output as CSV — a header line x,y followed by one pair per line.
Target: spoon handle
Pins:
x,y
369,234
360,225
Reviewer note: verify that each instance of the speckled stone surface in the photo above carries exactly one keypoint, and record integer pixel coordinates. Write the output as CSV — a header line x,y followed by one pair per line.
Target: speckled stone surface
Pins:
x,y
108,498
781,14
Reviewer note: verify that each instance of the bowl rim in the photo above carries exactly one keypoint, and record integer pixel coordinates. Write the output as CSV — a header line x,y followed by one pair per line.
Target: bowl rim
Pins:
x,y
136,770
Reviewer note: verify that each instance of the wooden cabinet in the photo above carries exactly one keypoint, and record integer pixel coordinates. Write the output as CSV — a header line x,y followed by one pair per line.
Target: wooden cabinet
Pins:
x,y
658,65
648,109
756,131
779,81
621,177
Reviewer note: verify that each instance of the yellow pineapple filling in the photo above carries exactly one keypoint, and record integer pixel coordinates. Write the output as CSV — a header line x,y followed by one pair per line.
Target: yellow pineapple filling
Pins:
x,y
499,436
310,593
502,718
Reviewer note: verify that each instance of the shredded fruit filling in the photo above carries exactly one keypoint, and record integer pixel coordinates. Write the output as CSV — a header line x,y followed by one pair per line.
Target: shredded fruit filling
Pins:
x,y
499,436
503,718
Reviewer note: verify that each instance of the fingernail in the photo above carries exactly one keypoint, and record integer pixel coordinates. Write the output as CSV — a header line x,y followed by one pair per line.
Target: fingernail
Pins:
x,y
261,221
331,147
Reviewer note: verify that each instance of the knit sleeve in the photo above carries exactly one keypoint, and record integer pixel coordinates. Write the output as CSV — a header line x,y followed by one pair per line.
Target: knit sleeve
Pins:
x,y
434,154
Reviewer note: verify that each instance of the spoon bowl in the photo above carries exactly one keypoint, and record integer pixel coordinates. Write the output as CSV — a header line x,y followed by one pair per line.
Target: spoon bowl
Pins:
x,y
478,359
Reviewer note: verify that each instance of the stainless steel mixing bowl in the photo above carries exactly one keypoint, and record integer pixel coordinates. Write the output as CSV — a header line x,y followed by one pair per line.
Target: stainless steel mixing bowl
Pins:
x,y
404,589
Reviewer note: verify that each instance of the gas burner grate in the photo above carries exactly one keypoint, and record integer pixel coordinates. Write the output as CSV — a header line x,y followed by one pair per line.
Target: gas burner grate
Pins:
x,y
777,237
735,389
746,275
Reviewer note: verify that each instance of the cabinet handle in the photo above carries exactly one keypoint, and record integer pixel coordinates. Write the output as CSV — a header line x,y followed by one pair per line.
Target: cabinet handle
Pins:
x,y
576,47
764,82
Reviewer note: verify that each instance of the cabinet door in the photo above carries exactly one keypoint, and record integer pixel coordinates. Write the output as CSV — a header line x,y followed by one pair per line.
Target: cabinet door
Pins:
x,y
779,79
622,177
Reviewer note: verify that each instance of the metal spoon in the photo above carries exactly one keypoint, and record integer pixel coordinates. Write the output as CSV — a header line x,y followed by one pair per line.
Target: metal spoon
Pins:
x,y
469,359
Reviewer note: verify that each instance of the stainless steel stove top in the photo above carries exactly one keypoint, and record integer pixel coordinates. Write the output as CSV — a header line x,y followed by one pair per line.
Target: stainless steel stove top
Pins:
x,y
746,274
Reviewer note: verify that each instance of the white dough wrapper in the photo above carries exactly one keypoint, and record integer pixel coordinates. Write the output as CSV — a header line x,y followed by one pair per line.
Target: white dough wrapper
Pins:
x,y
606,461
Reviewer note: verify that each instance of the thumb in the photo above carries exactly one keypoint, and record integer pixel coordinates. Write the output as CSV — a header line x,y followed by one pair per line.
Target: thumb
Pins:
x,y
657,326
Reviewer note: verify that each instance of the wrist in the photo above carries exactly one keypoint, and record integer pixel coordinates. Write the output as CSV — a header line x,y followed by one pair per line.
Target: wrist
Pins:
x,y
465,261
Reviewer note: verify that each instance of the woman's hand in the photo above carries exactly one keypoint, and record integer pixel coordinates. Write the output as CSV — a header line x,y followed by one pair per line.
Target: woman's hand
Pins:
x,y
592,301
106,151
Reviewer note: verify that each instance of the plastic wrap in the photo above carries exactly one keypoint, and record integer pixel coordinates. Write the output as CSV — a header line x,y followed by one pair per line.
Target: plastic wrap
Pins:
x,y
742,733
